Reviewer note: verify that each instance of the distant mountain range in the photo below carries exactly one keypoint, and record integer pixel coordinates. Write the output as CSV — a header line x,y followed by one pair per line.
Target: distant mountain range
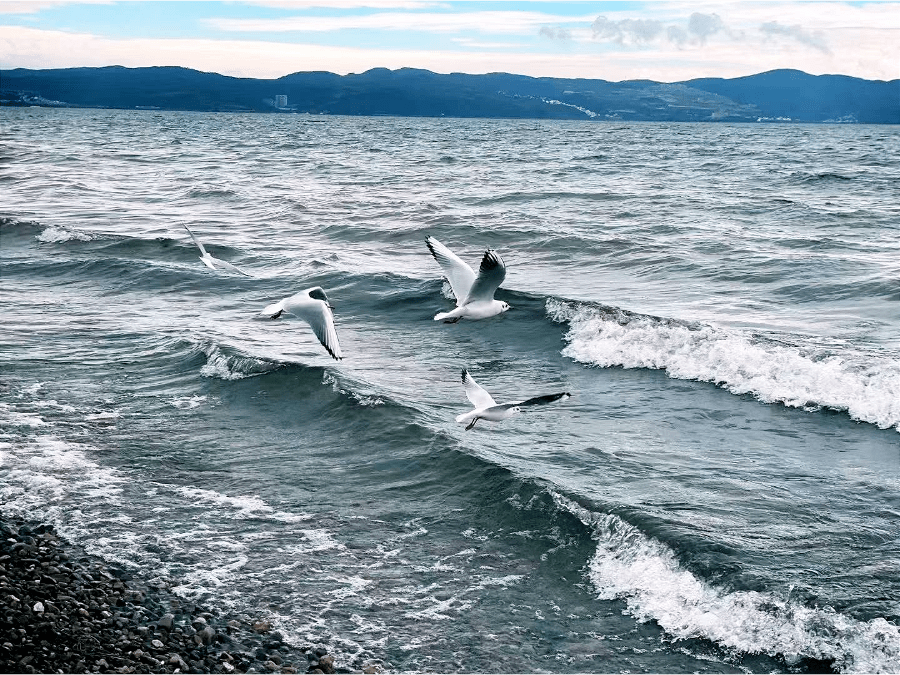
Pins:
x,y
778,95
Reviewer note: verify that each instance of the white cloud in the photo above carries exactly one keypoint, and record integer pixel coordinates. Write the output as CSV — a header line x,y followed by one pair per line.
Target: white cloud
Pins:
x,y
668,41
500,22
345,4
555,33
472,43
35,6
797,33
32,48
626,31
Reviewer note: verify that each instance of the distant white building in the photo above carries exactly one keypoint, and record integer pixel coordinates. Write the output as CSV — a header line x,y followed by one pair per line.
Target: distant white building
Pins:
x,y
281,101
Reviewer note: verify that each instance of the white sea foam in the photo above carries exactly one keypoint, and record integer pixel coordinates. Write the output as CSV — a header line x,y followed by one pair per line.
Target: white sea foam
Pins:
x,y
188,402
314,541
208,578
13,418
46,475
106,416
218,365
64,407
644,573
868,389
57,235
239,508
365,400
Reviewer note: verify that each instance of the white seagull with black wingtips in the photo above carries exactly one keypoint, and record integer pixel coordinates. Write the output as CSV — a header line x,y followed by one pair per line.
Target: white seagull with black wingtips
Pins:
x,y
474,294
313,307
210,261
488,409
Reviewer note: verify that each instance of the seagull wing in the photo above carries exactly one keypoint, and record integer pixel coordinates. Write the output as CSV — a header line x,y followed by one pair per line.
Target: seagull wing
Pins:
x,y
274,310
228,266
196,241
318,314
476,394
490,275
541,400
458,273
537,400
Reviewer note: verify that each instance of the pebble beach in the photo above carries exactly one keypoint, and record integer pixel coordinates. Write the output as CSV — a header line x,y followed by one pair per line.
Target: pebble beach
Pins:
x,y
67,612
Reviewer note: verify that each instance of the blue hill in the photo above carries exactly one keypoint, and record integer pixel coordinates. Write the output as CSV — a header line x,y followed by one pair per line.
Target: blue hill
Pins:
x,y
775,95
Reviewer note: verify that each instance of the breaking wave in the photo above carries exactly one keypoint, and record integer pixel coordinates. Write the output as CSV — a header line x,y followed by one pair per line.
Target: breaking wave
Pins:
x,y
645,574
868,389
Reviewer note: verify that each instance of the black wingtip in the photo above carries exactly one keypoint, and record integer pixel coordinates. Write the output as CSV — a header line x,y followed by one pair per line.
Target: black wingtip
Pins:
x,y
547,398
465,374
491,260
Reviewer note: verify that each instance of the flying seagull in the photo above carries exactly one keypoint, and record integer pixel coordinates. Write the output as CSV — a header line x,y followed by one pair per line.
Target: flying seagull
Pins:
x,y
313,307
488,409
474,294
211,262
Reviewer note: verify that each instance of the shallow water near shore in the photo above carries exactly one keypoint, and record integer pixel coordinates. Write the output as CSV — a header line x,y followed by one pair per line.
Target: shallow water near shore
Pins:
x,y
720,494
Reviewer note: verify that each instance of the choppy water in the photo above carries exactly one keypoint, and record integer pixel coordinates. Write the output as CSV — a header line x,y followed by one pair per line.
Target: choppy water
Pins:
x,y
721,493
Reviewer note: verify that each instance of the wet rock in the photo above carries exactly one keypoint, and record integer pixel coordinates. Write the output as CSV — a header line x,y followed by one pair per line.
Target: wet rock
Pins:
x,y
207,635
326,664
166,621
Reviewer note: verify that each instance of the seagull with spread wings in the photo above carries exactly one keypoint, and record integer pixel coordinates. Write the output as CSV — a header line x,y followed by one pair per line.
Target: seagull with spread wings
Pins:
x,y
488,409
211,262
474,294
313,307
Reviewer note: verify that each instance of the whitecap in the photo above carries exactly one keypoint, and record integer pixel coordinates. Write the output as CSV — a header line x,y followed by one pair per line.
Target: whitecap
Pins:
x,y
235,367
188,402
867,388
57,235
644,573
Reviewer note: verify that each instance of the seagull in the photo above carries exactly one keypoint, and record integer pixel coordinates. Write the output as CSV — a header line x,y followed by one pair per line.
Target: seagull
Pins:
x,y
474,294
488,409
211,262
313,307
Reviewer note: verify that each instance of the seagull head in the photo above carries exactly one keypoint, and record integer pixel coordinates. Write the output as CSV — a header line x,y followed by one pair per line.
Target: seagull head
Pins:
x,y
504,306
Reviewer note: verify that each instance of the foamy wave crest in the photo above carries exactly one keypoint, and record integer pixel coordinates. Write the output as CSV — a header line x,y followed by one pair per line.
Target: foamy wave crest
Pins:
x,y
188,402
239,508
232,367
365,400
57,235
868,391
645,574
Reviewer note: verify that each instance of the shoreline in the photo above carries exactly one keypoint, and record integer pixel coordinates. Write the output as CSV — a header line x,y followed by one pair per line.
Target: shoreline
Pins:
x,y
64,610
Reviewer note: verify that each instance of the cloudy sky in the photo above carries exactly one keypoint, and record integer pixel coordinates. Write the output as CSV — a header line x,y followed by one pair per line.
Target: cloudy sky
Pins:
x,y
663,41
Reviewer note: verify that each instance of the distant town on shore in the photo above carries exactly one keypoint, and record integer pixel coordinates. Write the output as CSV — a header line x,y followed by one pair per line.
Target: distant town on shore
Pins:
x,y
774,96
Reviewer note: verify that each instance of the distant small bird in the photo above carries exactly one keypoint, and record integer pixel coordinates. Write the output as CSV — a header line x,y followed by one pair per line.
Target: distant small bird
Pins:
x,y
474,294
487,409
313,307
211,262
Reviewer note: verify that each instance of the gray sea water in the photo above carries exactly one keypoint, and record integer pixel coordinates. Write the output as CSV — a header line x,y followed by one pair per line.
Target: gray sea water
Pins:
x,y
720,494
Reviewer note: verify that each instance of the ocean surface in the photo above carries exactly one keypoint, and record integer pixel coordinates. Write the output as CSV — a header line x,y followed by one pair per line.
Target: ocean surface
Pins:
x,y
720,494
